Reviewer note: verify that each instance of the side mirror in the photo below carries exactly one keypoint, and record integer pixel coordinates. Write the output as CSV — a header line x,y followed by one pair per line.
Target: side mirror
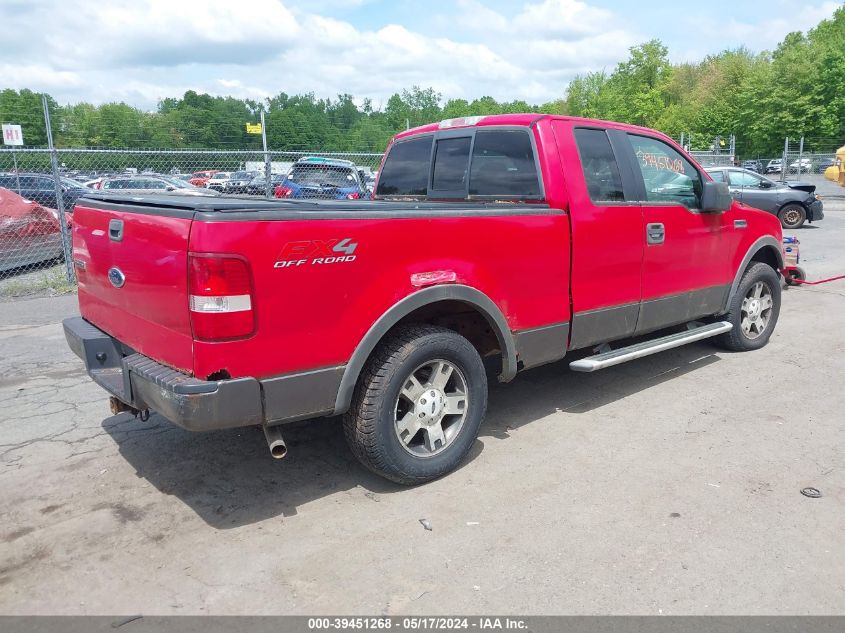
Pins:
x,y
715,197
765,184
170,188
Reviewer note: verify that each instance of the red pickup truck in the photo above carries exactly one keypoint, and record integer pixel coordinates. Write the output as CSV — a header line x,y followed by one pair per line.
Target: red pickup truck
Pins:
x,y
494,244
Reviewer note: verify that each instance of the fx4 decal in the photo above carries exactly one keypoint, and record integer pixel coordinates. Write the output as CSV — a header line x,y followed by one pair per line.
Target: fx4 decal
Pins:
x,y
316,252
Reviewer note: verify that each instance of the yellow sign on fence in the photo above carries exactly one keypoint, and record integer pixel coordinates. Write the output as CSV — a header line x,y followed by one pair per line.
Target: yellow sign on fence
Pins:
x,y
253,128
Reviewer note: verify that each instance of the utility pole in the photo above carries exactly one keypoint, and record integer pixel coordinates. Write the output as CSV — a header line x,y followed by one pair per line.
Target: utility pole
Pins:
x,y
267,165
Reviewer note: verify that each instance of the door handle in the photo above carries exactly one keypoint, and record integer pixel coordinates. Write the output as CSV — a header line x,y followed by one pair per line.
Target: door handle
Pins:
x,y
116,230
655,233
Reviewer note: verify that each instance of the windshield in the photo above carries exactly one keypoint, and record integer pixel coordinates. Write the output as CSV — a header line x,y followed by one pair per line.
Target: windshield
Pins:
x,y
241,175
322,176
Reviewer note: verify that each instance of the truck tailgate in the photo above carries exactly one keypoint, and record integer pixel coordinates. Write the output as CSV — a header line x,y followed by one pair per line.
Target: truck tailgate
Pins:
x,y
133,280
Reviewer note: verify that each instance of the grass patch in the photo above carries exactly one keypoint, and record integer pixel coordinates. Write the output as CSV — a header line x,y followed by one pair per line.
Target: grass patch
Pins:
x,y
46,282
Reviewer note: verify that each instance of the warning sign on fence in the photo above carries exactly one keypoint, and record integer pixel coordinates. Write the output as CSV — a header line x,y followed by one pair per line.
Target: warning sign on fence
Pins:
x,y
12,134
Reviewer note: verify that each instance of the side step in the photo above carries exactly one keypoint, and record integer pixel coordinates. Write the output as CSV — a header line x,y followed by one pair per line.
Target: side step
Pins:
x,y
647,348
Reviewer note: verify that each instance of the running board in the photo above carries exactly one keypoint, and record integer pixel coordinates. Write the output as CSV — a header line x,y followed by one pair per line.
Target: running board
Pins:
x,y
646,348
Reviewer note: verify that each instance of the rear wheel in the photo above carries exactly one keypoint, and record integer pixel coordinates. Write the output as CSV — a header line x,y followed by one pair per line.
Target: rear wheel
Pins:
x,y
792,216
418,404
753,310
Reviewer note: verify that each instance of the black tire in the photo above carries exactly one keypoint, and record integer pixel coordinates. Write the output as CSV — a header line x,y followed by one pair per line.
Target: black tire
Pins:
x,y
792,216
737,340
370,423
794,276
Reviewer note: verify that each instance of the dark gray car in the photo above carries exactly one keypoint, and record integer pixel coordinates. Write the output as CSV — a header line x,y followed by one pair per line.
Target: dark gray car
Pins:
x,y
793,202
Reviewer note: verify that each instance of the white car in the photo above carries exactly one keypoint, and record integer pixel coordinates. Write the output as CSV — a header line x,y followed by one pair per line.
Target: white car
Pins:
x,y
218,181
802,164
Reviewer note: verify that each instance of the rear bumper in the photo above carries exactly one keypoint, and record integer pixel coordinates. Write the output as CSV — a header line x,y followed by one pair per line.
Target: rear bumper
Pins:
x,y
199,405
142,383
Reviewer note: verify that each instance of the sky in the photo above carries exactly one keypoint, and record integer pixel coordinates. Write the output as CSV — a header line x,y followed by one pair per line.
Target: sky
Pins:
x,y
139,51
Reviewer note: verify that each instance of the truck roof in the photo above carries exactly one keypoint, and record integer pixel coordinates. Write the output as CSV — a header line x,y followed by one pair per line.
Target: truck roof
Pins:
x,y
522,119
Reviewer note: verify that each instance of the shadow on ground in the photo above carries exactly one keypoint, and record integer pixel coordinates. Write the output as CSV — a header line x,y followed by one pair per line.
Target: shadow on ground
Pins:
x,y
229,479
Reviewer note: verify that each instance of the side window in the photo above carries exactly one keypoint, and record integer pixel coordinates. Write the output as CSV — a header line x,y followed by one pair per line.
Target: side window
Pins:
x,y
45,184
151,183
717,176
743,179
405,170
667,175
601,172
451,160
503,165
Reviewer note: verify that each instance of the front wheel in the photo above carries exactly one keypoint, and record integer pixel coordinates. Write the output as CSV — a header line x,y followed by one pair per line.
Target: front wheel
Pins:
x,y
753,311
792,216
418,404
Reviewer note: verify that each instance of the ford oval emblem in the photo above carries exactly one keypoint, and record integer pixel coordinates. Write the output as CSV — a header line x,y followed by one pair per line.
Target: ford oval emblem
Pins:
x,y
116,277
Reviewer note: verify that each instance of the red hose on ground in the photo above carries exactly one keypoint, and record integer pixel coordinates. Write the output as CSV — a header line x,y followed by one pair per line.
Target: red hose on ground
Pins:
x,y
804,282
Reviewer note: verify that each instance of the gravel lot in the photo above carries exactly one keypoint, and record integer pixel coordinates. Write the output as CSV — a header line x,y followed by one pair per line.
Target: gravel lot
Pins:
x,y
667,485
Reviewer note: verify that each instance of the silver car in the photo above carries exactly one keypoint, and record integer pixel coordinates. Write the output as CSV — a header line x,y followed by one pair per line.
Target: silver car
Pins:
x,y
143,185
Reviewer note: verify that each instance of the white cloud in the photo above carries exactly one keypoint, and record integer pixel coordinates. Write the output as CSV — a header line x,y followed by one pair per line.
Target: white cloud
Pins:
x,y
142,50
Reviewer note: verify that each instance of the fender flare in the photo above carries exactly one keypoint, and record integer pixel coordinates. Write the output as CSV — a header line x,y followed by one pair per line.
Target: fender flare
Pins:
x,y
453,292
767,241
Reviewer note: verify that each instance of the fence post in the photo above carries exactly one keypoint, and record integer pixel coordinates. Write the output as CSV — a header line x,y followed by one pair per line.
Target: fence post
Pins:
x,y
60,203
783,160
267,164
800,154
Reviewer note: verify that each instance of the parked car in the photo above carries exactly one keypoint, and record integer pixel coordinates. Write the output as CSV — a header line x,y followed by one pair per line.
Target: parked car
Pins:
x,y
325,178
257,186
753,165
217,181
29,233
477,254
820,165
41,188
199,178
774,166
153,184
792,202
238,181
802,165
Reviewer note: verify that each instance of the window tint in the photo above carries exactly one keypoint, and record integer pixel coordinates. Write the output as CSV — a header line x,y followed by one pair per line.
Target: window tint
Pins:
x,y
668,176
601,172
405,171
743,179
451,159
503,165
717,176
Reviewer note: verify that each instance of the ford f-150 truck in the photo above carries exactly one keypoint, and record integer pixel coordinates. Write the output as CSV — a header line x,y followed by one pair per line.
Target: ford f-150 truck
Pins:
x,y
494,244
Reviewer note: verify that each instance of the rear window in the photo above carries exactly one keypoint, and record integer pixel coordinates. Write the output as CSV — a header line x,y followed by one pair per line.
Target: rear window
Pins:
x,y
322,176
503,165
405,172
451,159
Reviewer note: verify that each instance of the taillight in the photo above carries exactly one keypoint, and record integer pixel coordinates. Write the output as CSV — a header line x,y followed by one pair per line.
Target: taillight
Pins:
x,y
221,299
353,196
283,192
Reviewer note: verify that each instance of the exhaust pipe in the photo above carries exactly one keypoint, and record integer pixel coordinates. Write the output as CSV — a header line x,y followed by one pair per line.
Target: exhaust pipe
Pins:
x,y
275,441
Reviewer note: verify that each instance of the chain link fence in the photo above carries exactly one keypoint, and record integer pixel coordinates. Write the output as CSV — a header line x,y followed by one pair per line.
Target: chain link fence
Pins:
x,y
34,197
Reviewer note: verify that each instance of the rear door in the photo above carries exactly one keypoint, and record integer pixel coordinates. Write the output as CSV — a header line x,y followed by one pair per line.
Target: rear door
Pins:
x,y
131,264
685,268
607,237
752,191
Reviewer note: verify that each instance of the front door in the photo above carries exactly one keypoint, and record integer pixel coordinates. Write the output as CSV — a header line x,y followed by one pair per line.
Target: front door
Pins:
x,y
685,272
